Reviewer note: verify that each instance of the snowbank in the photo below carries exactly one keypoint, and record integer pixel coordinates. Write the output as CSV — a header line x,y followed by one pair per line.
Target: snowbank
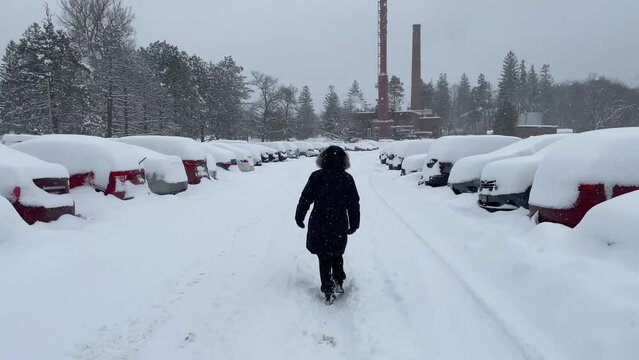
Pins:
x,y
11,225
606,157
83,154
470,168
614,224
185,148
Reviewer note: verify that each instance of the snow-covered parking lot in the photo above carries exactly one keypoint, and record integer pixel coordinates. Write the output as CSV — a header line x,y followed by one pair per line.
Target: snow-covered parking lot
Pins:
x,y
221,272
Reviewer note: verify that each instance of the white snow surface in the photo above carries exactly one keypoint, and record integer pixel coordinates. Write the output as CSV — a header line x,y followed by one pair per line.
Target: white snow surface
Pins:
x,y
450,149
185,148
11,139
606,157
82,154
221,272
470,167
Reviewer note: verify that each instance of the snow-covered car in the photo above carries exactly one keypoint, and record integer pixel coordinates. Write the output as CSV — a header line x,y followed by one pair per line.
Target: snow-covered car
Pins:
x,y
108,166
446,151
585,170
403,149
292,150
243,156
413,164
224,158
266,152
11,139
307,149
282,152
165,174
256,152
465,175
505,184
191,152
38,190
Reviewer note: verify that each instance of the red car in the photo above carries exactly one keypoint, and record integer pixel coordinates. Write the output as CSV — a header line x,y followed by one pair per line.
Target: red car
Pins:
x,y
38,190
108,166
583,171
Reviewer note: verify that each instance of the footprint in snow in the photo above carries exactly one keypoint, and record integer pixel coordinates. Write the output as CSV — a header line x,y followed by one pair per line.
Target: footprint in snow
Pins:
x,y
328,341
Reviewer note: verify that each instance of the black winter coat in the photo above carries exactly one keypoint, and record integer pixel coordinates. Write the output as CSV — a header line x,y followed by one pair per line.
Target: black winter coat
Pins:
x,y
335,210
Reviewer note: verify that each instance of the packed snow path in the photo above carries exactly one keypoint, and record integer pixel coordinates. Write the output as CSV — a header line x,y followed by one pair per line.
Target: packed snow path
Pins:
x,y
221,272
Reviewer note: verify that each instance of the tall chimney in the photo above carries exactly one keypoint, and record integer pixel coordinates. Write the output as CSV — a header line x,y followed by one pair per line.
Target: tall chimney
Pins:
x,y
417,101
383,112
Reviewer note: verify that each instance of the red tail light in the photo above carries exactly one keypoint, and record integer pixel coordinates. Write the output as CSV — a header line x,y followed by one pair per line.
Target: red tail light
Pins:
x,y
16,193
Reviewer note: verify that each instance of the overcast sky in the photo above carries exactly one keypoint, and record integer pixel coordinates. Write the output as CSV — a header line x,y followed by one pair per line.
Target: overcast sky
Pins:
x,y
323,42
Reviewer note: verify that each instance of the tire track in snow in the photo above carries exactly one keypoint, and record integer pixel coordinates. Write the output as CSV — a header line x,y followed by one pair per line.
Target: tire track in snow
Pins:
x,y
525,349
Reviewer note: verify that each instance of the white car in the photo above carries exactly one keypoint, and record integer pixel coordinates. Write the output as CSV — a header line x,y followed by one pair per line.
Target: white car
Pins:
x,y
414,164
38,190
466,174
447,150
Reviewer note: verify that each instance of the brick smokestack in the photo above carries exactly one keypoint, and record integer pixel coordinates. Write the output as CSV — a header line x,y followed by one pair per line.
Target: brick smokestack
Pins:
x,y
416,102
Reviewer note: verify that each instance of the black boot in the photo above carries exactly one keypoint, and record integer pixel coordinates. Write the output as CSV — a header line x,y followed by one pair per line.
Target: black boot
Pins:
x,y
330,297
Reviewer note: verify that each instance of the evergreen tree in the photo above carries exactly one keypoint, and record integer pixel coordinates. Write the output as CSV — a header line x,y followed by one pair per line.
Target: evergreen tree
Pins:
x,y
229,89
395,93
505,119
428,94
523,89
355,101
331,116
509,80
483,103
42,82
306,117
441,100
533,89
546,83
464,103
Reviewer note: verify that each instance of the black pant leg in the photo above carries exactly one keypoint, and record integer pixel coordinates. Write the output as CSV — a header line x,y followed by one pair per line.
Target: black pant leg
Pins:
x,y
337,264
325,265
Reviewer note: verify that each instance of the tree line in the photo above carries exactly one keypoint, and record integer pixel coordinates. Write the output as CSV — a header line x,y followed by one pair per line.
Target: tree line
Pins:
x,y
590,104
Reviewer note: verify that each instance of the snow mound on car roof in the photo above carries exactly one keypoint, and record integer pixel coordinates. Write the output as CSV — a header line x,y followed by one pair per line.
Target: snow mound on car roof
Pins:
x,y
469,168
221,154
185,148
608,157
81,154
611,223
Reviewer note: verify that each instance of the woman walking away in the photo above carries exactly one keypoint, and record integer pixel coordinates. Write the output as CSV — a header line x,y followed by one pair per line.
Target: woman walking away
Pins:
x,y
335,215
